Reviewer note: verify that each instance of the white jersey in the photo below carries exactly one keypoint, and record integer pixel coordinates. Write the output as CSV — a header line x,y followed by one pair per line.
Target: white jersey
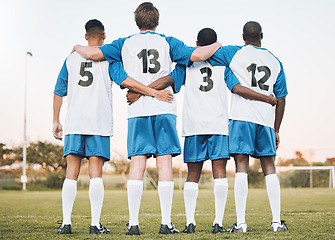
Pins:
x,y
205,109
146,57
257,69
89,95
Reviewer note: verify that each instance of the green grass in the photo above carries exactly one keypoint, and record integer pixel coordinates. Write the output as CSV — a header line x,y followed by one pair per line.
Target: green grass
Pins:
x,y
309,213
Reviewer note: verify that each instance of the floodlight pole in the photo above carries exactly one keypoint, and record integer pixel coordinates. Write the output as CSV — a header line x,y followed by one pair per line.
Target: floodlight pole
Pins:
x,y
24,163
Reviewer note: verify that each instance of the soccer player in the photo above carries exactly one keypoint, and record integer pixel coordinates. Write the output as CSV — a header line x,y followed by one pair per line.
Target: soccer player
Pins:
x,y
254,126
89,123
205,126
147,56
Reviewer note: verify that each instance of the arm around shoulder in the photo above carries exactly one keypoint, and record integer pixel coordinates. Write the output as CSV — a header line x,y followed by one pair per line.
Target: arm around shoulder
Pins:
x,y
88,52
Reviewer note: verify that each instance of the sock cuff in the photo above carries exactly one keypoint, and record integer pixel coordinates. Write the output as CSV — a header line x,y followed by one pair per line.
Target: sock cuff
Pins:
x,y
221,181
190,185
95,180
271,177
135,183
165,183
241,175
70,181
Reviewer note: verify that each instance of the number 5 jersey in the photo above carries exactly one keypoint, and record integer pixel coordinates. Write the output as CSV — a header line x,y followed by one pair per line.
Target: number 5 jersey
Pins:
x,y
88,88
259,70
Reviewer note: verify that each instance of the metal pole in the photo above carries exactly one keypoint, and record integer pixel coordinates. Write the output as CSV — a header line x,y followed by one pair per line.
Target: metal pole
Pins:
x,y
333,175
24,164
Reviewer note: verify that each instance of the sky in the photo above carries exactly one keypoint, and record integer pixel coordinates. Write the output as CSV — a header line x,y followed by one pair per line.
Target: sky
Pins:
x,y
300,33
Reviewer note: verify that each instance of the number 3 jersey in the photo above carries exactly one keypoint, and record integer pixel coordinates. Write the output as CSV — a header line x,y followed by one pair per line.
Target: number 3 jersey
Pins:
x,y
205,109
257,69
88,88
146,57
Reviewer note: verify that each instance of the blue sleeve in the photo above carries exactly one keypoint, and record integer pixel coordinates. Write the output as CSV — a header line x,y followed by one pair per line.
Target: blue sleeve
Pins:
x,y
117,73
178,75
179,52
280,88
62,82
230,78
223,56
112,52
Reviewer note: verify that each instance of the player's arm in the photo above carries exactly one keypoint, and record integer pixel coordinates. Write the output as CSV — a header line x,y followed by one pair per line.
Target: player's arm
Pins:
x,y
88,52
121,78
135,86
234,85
205,52
57,129
252,95
59,92
159,84
280,109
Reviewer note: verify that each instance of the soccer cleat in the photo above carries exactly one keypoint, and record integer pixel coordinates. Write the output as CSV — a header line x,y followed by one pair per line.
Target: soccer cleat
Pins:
x,y
164,229
64,229
278,227
217,229
189,228
133,230
100,230
242,227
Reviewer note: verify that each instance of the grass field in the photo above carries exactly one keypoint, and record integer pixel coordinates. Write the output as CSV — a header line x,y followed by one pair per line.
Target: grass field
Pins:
x,y
309,213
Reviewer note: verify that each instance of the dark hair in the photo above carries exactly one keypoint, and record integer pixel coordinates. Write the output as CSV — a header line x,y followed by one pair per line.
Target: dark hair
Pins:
x,y
146,16
206,37
94,27
252,31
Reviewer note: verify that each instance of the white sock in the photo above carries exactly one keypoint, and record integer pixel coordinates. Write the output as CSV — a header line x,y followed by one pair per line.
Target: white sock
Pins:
x,y
220,193
69,192
241,194
190,199
273,189
96,195
165,192
134,191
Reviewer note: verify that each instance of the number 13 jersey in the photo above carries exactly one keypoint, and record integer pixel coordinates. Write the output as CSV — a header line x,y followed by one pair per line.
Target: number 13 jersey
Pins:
x,y
259,70
88,88
146,57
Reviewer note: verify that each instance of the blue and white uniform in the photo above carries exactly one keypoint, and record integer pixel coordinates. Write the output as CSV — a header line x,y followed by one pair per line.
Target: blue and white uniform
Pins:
x,y
146,57
89,117
205,110
259,70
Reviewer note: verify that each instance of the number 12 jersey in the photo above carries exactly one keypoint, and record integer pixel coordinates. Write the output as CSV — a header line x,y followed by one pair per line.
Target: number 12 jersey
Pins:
x,y
259,70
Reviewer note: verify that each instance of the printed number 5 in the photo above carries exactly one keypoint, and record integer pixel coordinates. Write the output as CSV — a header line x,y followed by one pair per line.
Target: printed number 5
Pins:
x,y
206,79
86,73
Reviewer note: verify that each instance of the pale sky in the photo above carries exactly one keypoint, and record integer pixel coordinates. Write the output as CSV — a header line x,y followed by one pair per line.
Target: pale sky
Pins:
x,y
300,33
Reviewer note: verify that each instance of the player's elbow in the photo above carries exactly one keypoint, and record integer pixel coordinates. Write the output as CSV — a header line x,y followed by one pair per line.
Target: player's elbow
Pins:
x,y
197,57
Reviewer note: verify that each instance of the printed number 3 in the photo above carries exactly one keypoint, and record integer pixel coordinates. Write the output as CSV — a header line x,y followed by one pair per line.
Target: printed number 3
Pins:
x,y
206,79
86,73
267,74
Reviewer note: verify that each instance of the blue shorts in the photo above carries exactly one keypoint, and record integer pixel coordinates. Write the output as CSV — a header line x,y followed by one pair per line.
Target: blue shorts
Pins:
x,y
153,136
251,139
199,148
87,145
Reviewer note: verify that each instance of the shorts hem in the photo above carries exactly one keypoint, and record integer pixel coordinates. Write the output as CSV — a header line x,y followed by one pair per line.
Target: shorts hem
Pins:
x,y
263,155
173,154
74,152
244,153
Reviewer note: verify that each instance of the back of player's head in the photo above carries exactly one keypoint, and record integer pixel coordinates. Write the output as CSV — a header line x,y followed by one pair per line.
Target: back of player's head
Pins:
x,y
206,37
252,31
146,16
94,28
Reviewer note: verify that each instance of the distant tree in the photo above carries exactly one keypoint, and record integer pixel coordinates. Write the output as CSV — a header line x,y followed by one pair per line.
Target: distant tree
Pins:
x,y
330,161
6,157
299,160
48,155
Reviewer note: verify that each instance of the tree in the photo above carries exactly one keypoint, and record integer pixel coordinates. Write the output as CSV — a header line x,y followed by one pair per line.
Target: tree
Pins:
x,y
6,157
48,155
